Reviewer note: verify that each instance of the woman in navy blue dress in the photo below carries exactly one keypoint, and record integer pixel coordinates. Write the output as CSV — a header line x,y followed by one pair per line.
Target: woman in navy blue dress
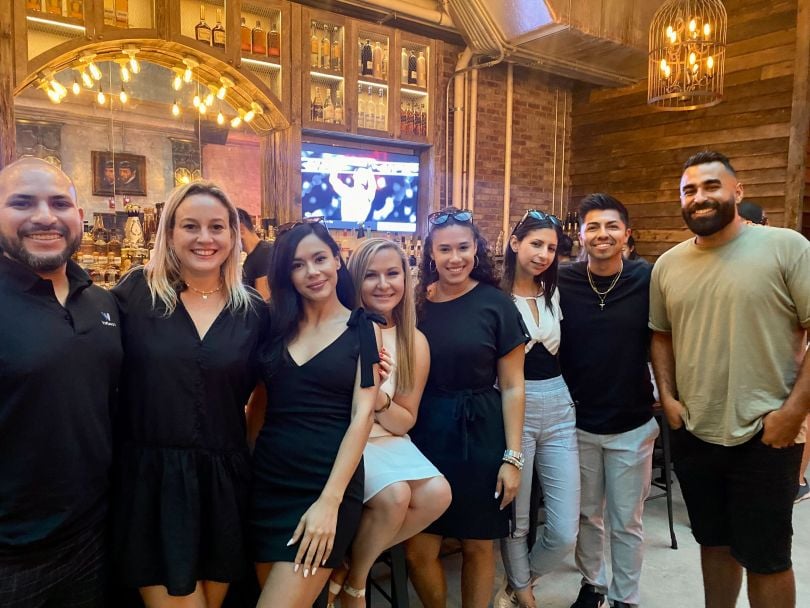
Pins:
x,y
319,366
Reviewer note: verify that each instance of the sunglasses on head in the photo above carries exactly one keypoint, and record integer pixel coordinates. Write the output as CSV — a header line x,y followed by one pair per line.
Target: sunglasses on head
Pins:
x,y
315,219
540,216
460,215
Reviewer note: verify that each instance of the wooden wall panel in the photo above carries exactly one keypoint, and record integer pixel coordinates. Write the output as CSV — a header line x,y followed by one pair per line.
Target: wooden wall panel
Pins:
x,y
626,148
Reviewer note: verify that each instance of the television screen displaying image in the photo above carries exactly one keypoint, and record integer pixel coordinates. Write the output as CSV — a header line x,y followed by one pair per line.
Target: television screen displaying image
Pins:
x,y
351,186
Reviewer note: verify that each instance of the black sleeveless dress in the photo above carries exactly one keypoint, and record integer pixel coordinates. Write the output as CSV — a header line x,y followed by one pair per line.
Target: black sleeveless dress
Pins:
x,y
309,409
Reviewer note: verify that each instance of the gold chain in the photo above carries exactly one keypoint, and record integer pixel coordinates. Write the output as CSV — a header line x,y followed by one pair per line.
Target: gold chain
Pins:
x,y
603,294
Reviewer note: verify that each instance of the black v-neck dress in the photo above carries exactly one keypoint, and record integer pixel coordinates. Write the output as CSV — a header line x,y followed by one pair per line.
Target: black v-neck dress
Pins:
x,y
183,474
309,409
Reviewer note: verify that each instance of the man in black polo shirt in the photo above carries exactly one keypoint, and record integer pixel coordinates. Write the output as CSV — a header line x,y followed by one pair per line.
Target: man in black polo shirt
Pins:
x,y
259,252
603,355
59,363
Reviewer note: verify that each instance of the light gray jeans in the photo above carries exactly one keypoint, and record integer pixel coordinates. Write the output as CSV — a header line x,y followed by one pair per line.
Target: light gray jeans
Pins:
x,y
615,472
550,443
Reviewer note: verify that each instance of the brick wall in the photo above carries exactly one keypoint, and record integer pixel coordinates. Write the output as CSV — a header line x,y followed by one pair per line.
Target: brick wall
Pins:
x,y
539,103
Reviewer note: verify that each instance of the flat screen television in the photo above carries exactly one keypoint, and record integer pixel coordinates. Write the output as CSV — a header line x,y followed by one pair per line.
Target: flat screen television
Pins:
x,y
352,186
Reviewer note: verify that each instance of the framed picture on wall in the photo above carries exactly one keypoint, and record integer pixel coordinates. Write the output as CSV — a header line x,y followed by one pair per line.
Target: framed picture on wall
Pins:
x,y
118,173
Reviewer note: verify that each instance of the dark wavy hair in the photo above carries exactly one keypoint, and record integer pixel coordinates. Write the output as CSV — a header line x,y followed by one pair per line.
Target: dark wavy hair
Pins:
x,y
709,156
483,272
286,306
548,278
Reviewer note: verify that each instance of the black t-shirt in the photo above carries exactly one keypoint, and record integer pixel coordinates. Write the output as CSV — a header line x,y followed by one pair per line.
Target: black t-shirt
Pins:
x,y
604,353
257,263
59,370
468,335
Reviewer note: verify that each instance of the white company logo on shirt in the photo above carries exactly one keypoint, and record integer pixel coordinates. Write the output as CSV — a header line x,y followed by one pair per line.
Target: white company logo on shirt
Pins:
x,y
106,320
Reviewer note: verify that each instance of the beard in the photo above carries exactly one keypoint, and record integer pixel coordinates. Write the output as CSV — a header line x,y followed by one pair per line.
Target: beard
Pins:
x,y
43,263
706,226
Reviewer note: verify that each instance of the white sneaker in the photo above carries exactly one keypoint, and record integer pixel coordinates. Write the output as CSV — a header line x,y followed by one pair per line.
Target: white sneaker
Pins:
x,y
504,598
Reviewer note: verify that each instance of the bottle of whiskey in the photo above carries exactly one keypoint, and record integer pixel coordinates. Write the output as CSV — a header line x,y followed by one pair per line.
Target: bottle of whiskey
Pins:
x,y
409,119
202,31
273,42
421,70
412,68
338,107
382,112
317,106
314,49
423,120
404,66
326,49
371,110
376,61
259,40
328,108
403,118
361,108
245,37
218,33
385,63
368,59
76,9
337,54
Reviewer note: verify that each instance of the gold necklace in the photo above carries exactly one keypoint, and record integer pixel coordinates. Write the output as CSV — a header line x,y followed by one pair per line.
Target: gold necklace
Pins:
x,y
603,294
204,294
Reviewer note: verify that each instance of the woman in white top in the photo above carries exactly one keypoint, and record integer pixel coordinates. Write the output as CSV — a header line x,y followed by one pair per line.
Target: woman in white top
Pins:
x,y
404,492
549,431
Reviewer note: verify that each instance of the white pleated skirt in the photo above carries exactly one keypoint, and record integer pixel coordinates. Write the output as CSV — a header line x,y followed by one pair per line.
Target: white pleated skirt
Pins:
x,y
392,459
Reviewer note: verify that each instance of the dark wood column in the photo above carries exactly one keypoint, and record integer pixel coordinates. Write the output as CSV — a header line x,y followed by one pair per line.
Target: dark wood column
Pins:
x,y
8,136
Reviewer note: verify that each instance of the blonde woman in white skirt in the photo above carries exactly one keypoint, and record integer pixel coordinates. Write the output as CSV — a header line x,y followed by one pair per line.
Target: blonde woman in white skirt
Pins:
x,y
404,492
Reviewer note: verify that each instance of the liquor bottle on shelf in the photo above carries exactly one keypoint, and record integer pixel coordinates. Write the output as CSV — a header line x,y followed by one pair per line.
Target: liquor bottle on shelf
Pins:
x,y
33,5
317,106
86,246
258,39
328,108
53,7
376,60
371,109
202,31
245,37
412,68
114,245
218,33
314,48
409,119
423,119
76,9
361,108
273,42
338,107
385,63
326,49
421,70
382,112
367,57
122,13
403,118
404,66
337,54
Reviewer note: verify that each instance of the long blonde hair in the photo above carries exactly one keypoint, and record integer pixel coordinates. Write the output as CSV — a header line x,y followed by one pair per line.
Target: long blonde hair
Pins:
x,y
404,313
163,271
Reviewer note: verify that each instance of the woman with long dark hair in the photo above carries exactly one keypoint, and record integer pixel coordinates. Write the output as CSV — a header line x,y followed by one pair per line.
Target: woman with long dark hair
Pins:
x,y
549,441
468,428
319,366
191,332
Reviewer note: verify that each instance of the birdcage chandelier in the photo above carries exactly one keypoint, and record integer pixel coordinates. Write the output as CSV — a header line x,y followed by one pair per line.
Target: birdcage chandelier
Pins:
x,y
687,55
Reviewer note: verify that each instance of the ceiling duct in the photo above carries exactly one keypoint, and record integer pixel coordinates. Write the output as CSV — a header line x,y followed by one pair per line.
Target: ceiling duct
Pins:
x,y
602,42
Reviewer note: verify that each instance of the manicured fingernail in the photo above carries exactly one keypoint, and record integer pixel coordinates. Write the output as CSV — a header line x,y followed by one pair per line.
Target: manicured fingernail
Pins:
x,y
323,563
314,570
496,495
306,572
295,569
289,542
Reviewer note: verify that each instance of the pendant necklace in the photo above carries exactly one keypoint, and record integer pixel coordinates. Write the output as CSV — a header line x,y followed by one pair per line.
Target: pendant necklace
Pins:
x,y
204,294
603,294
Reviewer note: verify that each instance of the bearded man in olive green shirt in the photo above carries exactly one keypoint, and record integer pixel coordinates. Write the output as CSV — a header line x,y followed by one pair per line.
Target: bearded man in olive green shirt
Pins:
x,y
730,309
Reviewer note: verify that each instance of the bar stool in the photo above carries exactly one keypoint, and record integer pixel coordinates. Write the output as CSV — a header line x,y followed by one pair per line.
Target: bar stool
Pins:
x,y
662,460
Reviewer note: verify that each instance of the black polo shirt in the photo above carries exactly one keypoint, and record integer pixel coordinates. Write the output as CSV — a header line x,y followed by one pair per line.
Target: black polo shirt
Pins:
x,y
604,353
257,263
59,369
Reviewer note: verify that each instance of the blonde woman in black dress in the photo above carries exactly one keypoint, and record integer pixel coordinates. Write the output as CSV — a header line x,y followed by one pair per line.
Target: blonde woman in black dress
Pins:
x,y
320,370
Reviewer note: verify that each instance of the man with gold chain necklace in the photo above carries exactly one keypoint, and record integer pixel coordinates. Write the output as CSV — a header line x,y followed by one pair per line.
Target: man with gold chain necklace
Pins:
x,y
603,355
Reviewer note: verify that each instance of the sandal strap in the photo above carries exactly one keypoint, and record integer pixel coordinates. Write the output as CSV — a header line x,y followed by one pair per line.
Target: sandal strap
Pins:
x,y
352,592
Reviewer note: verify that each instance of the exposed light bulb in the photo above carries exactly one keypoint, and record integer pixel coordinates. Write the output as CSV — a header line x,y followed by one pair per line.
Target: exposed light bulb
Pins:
x,y
196,101
221,92
667,71
175,109
101,98
220,118
87,80
663,65
202,108
236,121
76,88
209,99
177,83
710,62
692,58
123,95
57,86
187,75
53,95
134,65
695,69
692,25
250,115
670,31
707,29
94,71
125,76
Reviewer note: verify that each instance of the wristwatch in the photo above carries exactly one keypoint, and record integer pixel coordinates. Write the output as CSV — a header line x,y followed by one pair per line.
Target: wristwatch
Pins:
x,y
514,458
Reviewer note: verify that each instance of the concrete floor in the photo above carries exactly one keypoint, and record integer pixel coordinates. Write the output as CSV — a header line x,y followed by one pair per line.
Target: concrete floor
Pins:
x,y
670,579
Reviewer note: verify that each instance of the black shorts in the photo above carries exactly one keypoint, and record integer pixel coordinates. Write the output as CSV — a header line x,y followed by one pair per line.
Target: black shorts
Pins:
x,y
740,497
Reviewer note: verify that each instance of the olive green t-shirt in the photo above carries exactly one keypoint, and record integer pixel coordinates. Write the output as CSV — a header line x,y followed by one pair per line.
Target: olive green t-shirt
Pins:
x,y
738,315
